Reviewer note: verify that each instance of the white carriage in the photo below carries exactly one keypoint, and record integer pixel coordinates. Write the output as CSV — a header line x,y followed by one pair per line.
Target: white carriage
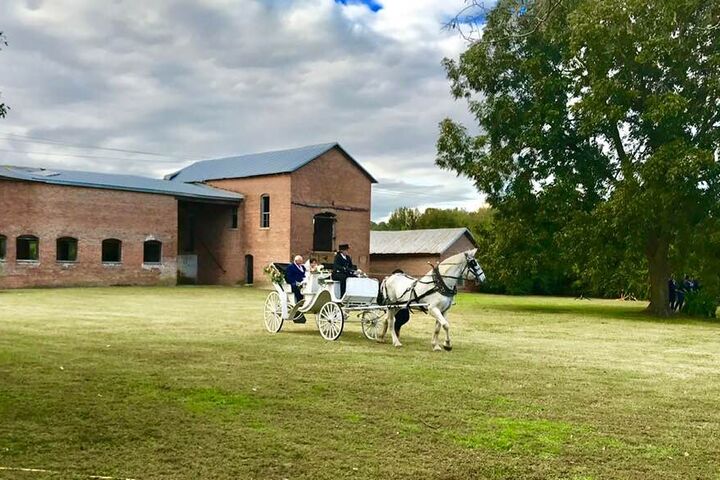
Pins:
x,y
322,298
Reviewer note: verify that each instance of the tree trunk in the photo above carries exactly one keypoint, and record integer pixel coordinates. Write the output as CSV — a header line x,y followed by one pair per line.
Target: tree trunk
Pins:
x,y
659,269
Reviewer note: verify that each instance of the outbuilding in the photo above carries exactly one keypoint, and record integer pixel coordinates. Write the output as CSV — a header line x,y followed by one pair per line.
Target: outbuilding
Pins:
x,y
412,250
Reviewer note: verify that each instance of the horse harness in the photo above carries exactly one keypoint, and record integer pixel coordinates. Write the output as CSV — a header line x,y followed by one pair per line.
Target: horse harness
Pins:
x,y
439,286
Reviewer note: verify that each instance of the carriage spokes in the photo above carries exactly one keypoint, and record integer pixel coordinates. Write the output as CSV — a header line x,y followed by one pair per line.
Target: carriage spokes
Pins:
x,y
273,313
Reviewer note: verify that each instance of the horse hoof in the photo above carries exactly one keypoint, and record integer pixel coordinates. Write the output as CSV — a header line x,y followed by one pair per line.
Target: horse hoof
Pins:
x,y
447,347
437,348
397,345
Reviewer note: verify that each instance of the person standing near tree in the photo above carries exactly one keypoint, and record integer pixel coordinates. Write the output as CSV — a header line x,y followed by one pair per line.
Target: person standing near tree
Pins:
x,y
683,289
672,292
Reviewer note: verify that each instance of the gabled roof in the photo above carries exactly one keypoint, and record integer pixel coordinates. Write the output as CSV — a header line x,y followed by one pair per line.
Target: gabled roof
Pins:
x,y
132,183
430,241
257,164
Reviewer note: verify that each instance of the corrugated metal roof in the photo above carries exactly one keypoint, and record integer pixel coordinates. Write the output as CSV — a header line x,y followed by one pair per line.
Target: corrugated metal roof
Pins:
x,y
133,183
430,241
256,164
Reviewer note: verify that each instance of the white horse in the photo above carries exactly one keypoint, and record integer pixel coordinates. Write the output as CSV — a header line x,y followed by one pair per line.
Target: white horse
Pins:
x,y
437,289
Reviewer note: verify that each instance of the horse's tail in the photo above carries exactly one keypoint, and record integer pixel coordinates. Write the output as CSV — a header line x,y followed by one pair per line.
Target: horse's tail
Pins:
x,y
381,293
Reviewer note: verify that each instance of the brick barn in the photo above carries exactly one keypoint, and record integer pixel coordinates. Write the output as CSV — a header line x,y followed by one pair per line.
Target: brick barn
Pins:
x,y
411,250
214,222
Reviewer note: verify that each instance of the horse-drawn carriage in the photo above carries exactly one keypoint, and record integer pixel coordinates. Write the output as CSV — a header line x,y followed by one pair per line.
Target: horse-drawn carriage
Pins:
x,y
322,298
433,293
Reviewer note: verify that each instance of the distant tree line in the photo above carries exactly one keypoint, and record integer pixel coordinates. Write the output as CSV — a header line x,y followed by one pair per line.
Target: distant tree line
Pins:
x,y
405,218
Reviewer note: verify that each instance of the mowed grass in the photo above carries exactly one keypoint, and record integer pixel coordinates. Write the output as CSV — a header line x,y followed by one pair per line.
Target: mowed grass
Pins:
x,y
186,383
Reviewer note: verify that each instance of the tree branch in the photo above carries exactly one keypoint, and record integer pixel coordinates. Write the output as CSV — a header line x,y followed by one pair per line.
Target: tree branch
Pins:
x,y
620,150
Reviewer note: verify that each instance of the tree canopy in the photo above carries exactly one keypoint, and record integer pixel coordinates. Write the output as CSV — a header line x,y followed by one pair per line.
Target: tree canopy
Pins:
x,y
597,132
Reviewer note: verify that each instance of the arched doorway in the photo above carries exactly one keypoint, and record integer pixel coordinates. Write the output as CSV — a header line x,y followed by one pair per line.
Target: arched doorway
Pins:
x,y
324,232
248,269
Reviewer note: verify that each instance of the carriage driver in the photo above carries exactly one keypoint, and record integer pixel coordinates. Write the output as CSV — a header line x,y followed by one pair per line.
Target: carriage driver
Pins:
x,y
295,275
343,267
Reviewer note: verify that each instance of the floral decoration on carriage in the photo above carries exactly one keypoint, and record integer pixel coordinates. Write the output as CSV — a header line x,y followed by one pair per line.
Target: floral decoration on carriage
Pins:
x,y
273,273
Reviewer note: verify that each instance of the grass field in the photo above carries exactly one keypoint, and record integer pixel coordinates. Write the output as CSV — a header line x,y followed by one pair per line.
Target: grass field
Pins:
x,y
185,383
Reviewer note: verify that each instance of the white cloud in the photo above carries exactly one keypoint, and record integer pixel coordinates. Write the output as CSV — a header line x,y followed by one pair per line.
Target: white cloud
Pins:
x,y
203,78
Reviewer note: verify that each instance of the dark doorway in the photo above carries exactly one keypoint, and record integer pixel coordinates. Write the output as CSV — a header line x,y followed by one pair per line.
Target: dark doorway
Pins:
x,y
323,232
248,269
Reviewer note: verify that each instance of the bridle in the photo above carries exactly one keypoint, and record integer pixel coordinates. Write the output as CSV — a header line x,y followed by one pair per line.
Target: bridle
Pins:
x,y
470,264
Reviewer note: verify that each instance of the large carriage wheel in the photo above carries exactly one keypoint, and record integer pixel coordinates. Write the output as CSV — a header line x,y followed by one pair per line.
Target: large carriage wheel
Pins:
x,y
273,313
331,321
371,321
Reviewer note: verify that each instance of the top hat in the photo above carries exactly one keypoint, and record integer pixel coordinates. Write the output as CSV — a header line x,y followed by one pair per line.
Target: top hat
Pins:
x,y
343,246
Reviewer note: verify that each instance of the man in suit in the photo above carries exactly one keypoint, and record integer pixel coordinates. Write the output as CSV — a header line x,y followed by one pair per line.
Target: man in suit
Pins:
x,y
343,267
295,275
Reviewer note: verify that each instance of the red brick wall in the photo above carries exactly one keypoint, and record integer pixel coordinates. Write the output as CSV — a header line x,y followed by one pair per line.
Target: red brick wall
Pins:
x,y
90,215
332,183
264,244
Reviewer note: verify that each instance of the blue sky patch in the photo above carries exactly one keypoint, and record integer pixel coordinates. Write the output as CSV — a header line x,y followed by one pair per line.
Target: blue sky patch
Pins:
x,y
371,4
474,19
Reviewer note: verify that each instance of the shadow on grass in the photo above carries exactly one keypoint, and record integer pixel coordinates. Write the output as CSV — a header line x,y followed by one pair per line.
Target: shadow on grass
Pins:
x,y
605,312
353,336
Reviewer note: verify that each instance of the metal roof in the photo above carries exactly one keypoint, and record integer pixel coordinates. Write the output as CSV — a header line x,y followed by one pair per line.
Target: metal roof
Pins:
x,y
132,183
256,164
430,241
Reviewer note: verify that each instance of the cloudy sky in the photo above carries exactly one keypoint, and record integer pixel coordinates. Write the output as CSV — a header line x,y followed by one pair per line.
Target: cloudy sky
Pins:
x,y
195,79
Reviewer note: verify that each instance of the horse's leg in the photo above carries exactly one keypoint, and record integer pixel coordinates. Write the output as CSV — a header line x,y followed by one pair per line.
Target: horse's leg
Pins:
x,y
435,312
391,325
381,337
435,336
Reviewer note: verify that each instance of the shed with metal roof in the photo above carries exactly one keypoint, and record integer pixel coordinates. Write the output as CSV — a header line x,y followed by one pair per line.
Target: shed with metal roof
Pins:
x,y
412,250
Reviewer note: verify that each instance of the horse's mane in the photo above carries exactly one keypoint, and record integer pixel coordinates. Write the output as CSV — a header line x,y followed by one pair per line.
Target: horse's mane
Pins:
x,y
452,261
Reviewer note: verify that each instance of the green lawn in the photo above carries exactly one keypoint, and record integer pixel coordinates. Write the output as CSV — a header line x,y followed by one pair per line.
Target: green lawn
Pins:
x,y
185,383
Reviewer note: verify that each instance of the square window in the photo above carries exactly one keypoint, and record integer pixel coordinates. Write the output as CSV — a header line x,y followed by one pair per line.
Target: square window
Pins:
x,y
28,248
67,249
111,250
152,252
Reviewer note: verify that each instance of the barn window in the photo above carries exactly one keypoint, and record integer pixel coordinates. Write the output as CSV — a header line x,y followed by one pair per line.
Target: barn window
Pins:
x,y
265,211
234,218
111,250
323,232
3,247
67,249
28,248
152,252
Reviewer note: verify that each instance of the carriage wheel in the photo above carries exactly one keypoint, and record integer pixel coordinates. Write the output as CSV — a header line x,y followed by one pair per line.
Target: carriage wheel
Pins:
x,y
331,321
371,321
273,313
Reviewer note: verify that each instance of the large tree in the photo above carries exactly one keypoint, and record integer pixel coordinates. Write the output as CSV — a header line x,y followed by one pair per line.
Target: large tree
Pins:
x,y
603,113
